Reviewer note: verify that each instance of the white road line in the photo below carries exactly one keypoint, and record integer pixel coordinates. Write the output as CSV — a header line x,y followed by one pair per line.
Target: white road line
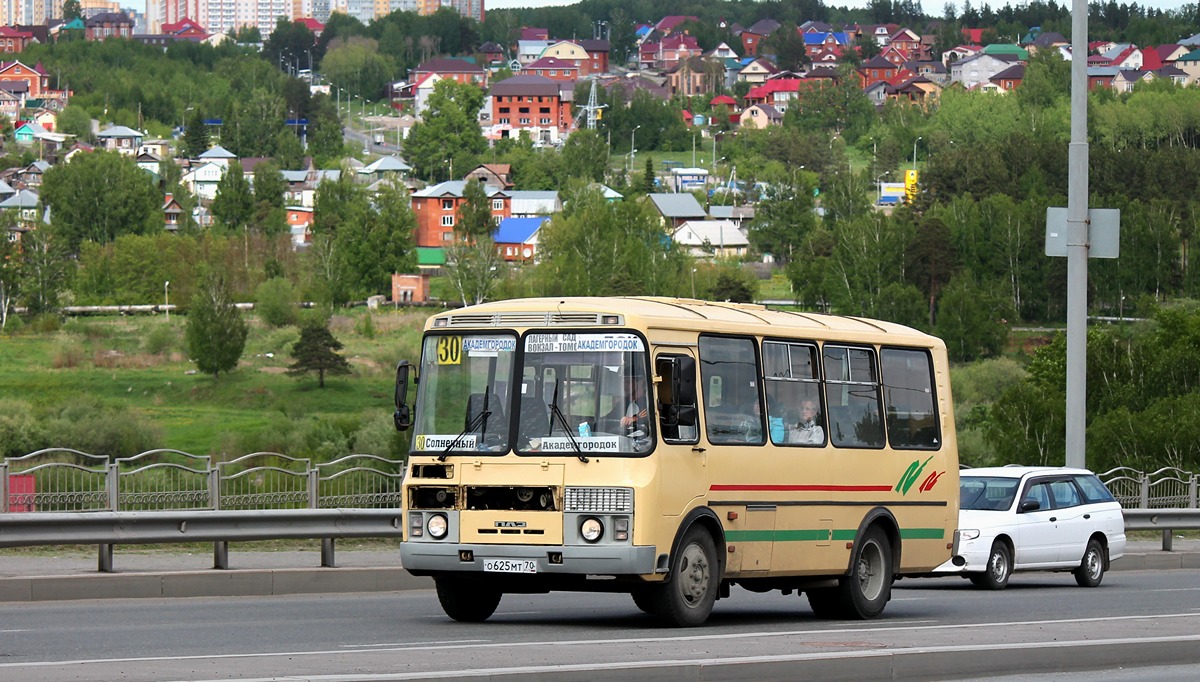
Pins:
x,y
630,640
401,645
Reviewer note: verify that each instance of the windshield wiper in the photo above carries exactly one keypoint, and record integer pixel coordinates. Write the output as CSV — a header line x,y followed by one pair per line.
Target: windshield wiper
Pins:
x,y
562,418
480,420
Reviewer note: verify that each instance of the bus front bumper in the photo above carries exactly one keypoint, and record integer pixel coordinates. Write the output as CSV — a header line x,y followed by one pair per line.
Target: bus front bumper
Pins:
x,y
430,557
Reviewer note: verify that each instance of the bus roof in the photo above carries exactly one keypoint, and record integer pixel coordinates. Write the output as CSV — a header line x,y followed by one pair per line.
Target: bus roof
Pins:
x,y
652,312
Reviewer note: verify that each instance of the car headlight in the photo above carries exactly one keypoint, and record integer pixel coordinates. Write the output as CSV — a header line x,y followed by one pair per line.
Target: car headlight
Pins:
x,y
591,529
437,526
967,533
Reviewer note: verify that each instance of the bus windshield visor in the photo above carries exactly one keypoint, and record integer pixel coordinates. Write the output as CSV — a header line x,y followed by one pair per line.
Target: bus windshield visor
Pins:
x,y
584,395
464,394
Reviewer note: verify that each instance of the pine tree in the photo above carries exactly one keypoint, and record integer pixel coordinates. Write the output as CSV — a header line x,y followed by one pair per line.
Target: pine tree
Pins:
x,y
648,177
195,136
316,351
216,332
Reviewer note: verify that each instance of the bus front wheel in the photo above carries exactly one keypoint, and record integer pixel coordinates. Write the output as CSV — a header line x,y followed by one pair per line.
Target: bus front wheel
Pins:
x,y
687,598
467,601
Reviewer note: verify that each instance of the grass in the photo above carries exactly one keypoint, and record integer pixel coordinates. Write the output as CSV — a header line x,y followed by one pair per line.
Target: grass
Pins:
x,y
102,360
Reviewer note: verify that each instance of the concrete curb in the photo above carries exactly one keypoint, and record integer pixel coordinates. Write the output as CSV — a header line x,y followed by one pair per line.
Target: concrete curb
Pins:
x,y
272,581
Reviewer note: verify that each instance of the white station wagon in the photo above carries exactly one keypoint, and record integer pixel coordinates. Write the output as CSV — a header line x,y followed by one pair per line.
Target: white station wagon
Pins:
x,y
1018,518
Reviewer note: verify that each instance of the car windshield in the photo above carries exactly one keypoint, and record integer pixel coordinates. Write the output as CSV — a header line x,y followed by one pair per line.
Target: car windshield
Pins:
x,y
464,393
987,493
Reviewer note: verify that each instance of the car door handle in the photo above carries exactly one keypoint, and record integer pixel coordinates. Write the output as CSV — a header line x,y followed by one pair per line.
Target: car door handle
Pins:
x,y
1087,516
1053,518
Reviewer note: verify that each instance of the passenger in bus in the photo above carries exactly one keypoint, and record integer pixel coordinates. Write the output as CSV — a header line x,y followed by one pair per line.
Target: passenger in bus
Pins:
x,y
808,431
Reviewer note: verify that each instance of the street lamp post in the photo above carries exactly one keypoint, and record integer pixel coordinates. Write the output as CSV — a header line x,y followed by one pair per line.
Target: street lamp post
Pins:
x,y
167,299
915,152
632,150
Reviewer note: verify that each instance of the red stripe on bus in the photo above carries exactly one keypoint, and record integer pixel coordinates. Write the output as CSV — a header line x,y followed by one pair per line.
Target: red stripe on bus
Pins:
x,y
804,488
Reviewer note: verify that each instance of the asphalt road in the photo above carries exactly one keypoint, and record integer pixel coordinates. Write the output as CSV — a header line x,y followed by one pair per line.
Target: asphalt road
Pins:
x,y
932,629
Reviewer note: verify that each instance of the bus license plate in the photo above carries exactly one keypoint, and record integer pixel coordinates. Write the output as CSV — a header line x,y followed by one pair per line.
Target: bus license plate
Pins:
x,y
510,565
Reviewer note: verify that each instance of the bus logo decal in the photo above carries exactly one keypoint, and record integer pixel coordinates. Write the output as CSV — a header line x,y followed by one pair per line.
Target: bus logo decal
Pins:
x,y
510,524
912,474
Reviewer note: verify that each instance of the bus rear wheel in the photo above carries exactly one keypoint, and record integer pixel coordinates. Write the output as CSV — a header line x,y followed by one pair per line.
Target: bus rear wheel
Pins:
x,y
467,601
687,598
866,590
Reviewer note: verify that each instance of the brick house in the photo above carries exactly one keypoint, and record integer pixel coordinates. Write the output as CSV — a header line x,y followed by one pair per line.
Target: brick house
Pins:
x,y
14,40
35,78
108,25
534,103
436,209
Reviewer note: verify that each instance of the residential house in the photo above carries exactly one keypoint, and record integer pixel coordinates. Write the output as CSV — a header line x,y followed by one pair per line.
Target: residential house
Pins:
x,y
753,36
149,163
935,71
516,238
494,174
778,93
533,203
6,190
756,72
722,51
980,68
31,175
184,29
760,116
302,185
218,155
436,209
25,204
410,288
13,40
1127,57
1048,40
24,132
1101,76
108,25
172,213
957,54
35,78
669,23
567,53
1017,52
740,216
300,220
1190,64
534,103
45,118
905,41
421,90
529,33
385,167
492,54
623,89
711,238
691,77
675,48
877,69
10,104
597,56
459,70
1174,73
1010,78
677,209
120,139
819,46
51,143
1169,52
553,68
529,51
1126,79
202,180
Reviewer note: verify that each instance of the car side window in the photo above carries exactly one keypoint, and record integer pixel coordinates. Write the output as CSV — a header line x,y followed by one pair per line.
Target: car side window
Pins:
x,y
1094,491
1065,494
1039,492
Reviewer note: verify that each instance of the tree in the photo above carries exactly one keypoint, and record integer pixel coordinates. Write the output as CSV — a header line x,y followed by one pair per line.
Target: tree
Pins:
x,y
196,140
269,189
216,333
71,10
585,155
356,65
471,261
316,351
448,127
325,141
74,120
98,197
234,203
10,271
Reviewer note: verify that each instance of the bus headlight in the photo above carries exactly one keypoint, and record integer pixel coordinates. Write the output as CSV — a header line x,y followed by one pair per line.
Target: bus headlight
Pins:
x,y
437,526
591,529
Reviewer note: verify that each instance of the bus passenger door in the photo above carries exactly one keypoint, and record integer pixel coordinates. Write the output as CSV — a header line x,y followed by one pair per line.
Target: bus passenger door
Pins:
x,y
682,461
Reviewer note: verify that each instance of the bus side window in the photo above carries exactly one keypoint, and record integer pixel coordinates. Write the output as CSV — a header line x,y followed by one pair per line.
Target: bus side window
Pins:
x,y
908,398
852,396
731,363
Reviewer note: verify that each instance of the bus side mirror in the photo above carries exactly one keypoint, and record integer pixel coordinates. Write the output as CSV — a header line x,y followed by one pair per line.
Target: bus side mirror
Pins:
x,y
677,392
403,414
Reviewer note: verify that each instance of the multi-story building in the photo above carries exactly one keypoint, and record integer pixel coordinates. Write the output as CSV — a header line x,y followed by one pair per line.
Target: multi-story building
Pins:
x,y
533,103
436,210
13,40
467,8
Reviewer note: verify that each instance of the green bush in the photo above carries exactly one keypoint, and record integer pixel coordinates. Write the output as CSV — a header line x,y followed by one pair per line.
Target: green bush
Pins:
x,y
365,326
102,430
20,430
160,340
275,302
47,323
67,353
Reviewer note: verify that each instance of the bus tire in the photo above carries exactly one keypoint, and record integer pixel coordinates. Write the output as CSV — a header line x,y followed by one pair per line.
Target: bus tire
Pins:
x,y
686,599
467,601
643,598
866,590
869,586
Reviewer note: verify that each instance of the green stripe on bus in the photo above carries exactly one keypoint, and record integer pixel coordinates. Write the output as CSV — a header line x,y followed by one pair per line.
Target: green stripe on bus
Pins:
x,y
821,534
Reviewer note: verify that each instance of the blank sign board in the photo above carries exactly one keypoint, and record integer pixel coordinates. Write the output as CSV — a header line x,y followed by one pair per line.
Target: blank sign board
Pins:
x,y
1104,232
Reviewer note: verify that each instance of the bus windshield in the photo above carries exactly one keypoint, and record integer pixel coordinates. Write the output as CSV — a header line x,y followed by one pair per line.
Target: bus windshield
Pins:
x,y
584,394
464,393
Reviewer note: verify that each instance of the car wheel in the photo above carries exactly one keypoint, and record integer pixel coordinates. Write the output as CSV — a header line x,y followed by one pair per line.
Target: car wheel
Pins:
x,y
999,568
687,598
866,590
467,601
1091,569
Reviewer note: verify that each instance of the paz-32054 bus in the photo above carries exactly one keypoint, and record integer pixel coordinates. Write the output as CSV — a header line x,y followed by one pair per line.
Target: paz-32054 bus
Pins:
x,y
671,449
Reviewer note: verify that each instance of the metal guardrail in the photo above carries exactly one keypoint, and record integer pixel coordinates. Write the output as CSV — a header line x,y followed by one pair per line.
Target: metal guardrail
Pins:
x,y
106,529
1166,520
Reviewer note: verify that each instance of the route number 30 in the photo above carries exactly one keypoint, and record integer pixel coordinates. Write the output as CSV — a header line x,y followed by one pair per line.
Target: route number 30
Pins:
x,y
449,350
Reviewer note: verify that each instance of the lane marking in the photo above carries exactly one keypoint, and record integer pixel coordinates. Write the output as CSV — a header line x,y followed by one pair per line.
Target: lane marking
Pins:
x,y
404,645
629,640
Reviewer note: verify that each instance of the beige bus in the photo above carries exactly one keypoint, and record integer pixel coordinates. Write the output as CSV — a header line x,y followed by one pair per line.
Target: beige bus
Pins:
x,y
672,449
